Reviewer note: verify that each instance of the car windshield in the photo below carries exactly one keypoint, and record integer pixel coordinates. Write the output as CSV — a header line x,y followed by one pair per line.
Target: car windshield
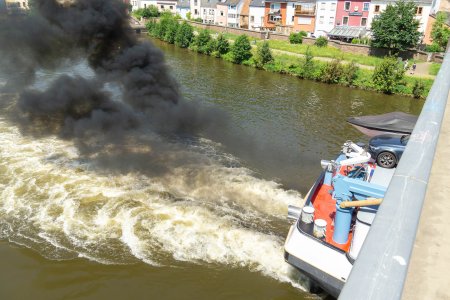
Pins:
x,y
404,139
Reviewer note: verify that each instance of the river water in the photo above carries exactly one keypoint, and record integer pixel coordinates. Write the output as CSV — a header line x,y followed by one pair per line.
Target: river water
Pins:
x,y
213,230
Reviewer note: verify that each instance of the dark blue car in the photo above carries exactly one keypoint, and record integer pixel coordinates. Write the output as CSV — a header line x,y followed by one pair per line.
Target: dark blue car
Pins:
x,y
387,149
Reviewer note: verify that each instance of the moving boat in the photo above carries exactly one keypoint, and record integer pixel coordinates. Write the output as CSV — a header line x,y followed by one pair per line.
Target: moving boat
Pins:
x,y
393,123
329,230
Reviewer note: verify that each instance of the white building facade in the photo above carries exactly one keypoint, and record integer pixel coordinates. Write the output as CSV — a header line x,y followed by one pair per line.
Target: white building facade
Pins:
x,y
290,13
161,5
325,17
256,15
195,9
234,9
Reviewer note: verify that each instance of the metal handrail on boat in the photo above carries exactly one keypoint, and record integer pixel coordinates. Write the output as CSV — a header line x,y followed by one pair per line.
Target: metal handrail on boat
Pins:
x,y
381,268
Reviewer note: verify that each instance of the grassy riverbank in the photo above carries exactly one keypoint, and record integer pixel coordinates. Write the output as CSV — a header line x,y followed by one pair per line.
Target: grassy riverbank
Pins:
x,y
296,60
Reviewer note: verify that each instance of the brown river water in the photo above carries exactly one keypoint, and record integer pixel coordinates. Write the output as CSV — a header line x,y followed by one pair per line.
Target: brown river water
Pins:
x,y
70,231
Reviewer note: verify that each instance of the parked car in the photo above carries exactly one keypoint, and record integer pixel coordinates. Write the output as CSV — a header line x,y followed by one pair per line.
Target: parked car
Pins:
x,y
387,149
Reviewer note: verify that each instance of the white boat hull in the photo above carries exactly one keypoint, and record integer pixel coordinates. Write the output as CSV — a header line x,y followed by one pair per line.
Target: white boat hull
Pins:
x,y
326,265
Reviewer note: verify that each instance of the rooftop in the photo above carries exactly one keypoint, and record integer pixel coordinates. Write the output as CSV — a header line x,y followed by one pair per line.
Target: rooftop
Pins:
x,y
347,31
280,1
230,2
422,2
183,3
209,3
257,3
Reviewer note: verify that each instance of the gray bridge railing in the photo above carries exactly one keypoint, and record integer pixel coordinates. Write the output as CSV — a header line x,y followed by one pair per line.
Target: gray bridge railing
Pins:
x,y
380,271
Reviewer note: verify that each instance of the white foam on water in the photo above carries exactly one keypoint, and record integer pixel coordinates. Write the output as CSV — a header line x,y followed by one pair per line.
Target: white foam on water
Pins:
x,y
194,214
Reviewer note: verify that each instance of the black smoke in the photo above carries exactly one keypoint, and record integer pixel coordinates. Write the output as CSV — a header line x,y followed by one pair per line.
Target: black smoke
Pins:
x,y
114,132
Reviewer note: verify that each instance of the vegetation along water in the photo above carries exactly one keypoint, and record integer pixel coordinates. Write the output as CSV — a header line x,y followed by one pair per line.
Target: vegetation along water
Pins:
x,y
388,76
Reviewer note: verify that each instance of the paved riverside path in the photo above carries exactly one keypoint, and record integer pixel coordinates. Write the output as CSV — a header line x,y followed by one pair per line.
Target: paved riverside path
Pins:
x,y
429,270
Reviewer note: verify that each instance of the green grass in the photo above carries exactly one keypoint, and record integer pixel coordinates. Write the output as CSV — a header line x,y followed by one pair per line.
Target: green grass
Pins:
x,y
330,52
231,36
434,69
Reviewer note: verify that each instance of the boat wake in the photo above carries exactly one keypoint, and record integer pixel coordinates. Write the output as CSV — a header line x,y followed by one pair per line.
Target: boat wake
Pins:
x,y
64,206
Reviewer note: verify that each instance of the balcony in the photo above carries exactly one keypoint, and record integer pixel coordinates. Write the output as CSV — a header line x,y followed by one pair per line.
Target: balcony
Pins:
x,y
275,19
305,10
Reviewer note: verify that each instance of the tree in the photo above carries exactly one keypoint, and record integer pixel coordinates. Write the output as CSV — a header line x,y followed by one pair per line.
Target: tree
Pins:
x,y
148,12
332,72
308,67
264,55
321,41
388,74
440,32
295,38
418,89
202,40
184,35
241,49
171,31
397,27
222,45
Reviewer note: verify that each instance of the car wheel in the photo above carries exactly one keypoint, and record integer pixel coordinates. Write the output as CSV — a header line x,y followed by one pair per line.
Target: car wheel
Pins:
x,y
386,160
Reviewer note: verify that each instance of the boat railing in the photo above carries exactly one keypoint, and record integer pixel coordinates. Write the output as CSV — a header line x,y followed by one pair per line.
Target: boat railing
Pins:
x,y
381,268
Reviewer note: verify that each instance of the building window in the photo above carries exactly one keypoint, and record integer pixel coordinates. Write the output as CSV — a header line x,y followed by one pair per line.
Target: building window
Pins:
x,y
145,5
252,18
171,7
304,21
292,19
221,12
321,18
331,22
195,12
323,6
366,6
377,8
195,2
333,6
293,5
344,20
363,21
162,6
204,11
419,10
347,5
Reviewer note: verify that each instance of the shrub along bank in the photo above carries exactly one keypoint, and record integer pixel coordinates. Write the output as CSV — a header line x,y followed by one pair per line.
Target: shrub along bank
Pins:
x,y
388,76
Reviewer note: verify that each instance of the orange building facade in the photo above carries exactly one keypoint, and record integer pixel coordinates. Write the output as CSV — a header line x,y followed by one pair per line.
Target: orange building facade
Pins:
x,y
274,14
305,17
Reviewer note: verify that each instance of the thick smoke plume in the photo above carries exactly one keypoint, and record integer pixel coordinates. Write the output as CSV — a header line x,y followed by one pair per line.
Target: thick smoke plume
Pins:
x,y
56,33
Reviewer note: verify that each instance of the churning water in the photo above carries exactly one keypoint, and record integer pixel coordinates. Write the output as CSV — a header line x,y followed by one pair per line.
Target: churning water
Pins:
x,y
211,211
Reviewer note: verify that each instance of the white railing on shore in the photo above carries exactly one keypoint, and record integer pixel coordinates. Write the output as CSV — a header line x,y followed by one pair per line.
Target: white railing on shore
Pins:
x,y
380,271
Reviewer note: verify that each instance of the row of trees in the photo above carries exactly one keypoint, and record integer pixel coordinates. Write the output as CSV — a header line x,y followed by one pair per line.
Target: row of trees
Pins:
x,y
388,76
182,35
